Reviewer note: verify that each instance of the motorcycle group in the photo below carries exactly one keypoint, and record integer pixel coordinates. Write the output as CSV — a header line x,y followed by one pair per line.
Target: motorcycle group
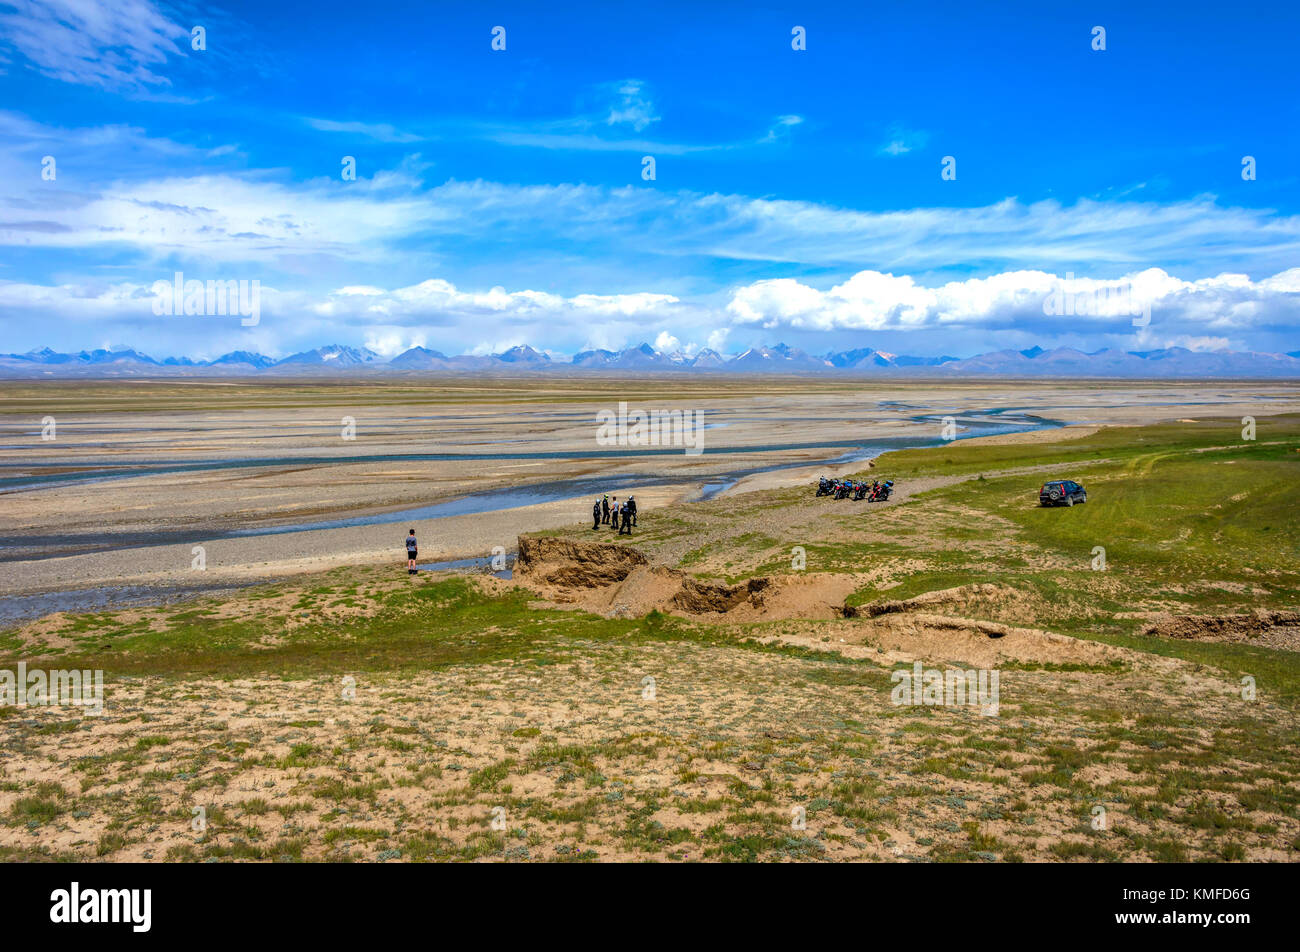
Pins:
x,y
875,491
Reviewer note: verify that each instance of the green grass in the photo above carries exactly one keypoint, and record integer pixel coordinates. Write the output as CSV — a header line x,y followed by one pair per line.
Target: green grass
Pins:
x,y
437,623
1124,444
1164,511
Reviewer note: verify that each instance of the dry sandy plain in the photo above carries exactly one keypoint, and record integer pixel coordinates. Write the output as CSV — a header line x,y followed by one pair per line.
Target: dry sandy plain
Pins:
x,y
141,530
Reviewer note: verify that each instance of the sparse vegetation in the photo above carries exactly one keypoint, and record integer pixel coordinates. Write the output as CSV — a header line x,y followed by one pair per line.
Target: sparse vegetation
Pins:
x,y
487,727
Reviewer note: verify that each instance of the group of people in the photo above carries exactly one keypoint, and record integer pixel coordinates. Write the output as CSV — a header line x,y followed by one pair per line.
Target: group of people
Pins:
x,y
608,511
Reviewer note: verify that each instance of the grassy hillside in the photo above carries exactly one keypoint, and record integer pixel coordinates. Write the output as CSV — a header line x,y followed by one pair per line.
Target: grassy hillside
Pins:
x,y
470,698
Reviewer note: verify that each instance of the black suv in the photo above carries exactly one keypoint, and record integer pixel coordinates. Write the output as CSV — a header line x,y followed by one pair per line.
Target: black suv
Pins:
x,y
1061,492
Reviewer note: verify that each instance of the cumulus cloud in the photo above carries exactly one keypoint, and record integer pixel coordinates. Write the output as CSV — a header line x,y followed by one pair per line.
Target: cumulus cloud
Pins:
x,y
386,317
443,301
1224,311
667,343
875,301
390,343
717,339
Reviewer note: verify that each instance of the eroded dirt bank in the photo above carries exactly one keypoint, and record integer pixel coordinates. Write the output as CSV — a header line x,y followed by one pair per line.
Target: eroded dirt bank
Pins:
x,y
1271,629
619,580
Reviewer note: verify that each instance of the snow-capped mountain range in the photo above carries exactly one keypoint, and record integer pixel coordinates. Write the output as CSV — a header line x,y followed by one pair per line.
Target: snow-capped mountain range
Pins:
x,y
1167,362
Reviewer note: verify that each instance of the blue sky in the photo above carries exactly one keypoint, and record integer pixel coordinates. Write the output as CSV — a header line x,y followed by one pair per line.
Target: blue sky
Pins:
x,y
499,196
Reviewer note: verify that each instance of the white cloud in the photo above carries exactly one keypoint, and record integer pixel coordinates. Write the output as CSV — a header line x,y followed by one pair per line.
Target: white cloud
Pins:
x,y
443,301
329,247
781,127
874,301
378,131
626,305
631,106
717,339
1210,313
483,348
255,216
114,44
900,141
1197,343
432,313
232,218
390,343
667,343
587,142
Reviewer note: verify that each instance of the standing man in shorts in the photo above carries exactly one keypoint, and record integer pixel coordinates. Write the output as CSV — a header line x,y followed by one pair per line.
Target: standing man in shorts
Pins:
x,y
411,552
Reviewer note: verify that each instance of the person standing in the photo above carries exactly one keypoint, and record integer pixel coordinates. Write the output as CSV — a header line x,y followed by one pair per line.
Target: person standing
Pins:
x,y
627,519
412,550
613,514
595,515
604,509
631,508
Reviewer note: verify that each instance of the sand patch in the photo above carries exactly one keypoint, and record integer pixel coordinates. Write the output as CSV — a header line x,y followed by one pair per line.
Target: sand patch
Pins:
x,y
894,638
947,596
982,643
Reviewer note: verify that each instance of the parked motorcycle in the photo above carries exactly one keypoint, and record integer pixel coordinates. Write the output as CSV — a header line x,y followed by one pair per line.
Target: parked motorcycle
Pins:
x,y
854,489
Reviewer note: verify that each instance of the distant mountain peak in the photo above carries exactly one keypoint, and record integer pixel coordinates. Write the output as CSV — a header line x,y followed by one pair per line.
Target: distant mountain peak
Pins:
x,y
338,355
1166,362
522,353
